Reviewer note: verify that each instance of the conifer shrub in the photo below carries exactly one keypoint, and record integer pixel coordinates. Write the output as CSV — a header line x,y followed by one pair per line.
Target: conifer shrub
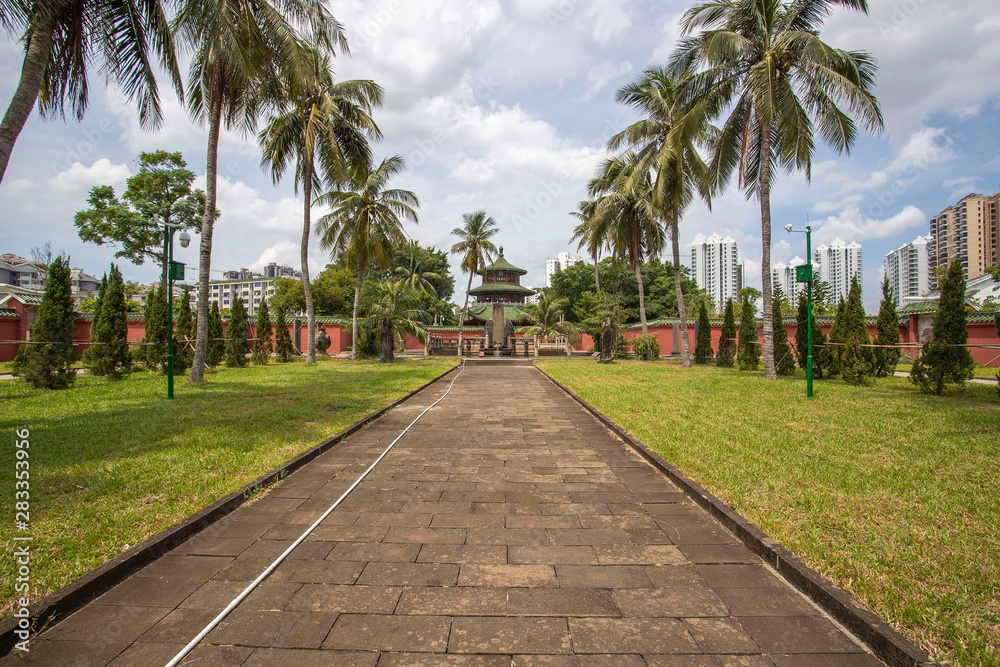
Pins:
x,y
784,360
802,338
216,350
184,335
748,353
727,338
283,347
154,348
944,359
263,345
237,345
46,362
703,344
857,359
109,354
886,333
831,355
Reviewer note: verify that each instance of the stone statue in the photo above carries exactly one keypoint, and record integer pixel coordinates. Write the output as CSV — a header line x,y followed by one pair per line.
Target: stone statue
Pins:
x,y
607,345
322,340
488,332
508,333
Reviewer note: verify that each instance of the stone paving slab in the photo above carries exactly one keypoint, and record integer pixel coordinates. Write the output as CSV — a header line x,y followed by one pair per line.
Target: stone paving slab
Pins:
x,y
508,527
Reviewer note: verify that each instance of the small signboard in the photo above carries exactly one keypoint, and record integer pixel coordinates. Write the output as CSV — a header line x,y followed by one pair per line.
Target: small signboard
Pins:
x,y
177,270
804,273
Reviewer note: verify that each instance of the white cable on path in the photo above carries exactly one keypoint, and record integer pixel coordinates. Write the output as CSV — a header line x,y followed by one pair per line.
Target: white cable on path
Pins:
x,y
249,589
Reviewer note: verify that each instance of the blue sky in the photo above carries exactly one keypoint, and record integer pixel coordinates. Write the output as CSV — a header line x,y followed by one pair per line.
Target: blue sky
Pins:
x,y
505,105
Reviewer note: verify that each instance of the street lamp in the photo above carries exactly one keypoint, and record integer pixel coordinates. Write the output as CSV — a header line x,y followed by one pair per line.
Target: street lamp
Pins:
x,y
803,274
173,270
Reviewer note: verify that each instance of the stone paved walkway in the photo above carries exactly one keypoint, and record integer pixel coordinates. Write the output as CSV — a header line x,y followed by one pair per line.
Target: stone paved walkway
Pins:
x,y
508,527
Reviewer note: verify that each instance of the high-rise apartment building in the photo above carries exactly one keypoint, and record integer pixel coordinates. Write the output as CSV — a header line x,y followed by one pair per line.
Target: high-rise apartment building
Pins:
x,y
555,264
837,264
908,270
967,232
784,275
715,266
252,291
275,270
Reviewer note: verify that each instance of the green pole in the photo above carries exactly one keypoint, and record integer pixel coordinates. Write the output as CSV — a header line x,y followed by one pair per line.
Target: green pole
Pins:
x,y
809,317
168,251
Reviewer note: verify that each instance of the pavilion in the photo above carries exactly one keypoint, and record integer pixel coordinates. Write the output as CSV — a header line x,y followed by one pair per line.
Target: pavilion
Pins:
x,y
501,285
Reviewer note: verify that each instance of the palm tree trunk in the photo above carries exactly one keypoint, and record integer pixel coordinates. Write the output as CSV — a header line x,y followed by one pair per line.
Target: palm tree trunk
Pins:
x,y
681,308
207,224
642,300
597,275
32,73
765,262
354,317
304,257
461,317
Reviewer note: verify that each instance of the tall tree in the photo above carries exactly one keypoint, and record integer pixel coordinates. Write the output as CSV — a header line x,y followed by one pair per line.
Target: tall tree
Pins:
x,y
160,193
238,49
626,219
748,354
475,250
46,362
364,225
416,271
237,345
263,344
887,333
703,346
323,126
393,313
727,338
944,359
665,141
546,316
61,38
762,61
583,233
857,358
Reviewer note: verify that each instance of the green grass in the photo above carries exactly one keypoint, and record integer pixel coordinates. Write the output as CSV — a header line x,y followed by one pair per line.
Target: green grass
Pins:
x,y
113,463
987,372
890,493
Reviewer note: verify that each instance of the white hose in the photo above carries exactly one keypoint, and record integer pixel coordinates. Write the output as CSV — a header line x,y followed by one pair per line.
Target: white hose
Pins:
x,y
249,589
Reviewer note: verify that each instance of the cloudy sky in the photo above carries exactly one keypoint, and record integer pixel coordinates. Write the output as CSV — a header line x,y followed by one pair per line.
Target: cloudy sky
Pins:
x,y
506,105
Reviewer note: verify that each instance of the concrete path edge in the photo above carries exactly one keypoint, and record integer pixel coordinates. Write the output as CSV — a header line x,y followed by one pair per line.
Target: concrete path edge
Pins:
x,y
62,602
883,640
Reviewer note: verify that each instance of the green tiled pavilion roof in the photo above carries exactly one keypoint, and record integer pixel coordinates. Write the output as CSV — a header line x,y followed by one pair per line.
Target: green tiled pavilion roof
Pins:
x,y
508,288
501,264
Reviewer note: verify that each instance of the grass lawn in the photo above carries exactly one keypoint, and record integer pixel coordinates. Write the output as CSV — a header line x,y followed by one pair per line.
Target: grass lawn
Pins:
x,y
891,494
113,463
987,372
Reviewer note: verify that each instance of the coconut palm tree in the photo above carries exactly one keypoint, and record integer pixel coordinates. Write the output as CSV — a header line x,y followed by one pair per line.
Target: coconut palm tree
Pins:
x,y
762,61
665,142
62,36
391,308
583,232
415,270
324,126
546,317
239,46
364,226
625,218
475,249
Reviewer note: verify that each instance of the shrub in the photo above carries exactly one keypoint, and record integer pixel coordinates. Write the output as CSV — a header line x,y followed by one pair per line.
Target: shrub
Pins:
x,y
943,359
237,345
802,338
857,360
727,338
886,333
646,348
262,346
703,346
109,354
784,360
283,347
46,363
749,353
183,337
216,343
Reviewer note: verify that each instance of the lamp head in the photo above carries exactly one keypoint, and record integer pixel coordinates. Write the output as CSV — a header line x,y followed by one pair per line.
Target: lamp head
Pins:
x,y
185,239
788,228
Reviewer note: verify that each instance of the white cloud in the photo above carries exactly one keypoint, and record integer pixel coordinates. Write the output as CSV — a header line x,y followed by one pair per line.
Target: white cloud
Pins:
x,y
960,186
598,77
78,178
852,225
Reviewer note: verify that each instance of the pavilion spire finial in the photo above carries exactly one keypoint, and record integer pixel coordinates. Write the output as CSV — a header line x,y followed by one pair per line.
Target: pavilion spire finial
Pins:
x,y
501,251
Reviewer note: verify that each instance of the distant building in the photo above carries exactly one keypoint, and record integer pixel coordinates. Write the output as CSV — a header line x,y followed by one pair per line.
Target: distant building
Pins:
x,y
715,266
967,232
838,263
555,264
252,290
275,270
533,298
83,283
784,275
908,270
21,272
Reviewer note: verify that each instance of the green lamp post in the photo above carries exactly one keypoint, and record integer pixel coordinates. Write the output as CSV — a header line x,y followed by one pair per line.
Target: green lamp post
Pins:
x,y
804,274
175,271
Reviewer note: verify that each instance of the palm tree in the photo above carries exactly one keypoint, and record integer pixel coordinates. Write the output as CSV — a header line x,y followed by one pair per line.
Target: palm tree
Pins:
x,y
475,249
763,61
415,270
625,218
319,119
238,47
546,317
392,309
364,226
62,36
665,142
583,232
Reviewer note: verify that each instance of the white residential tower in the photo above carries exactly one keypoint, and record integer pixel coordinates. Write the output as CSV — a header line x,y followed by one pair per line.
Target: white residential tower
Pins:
x,y
715,266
